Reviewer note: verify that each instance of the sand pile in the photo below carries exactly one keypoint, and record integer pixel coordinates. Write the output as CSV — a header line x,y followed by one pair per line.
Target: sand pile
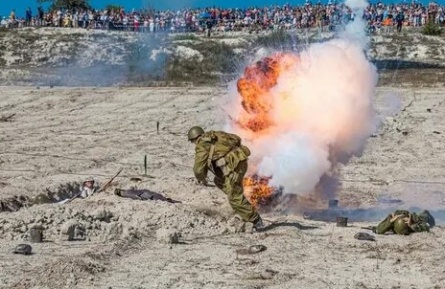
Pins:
x,y
99,219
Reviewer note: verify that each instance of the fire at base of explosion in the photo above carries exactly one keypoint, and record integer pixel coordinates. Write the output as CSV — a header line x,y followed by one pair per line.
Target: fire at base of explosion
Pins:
x,y
258,191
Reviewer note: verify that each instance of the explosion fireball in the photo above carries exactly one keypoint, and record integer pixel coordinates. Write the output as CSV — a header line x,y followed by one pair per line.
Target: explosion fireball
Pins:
x,y
257,101
301,114
254,88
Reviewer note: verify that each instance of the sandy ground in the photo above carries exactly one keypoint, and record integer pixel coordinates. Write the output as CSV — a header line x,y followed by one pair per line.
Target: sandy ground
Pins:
x,y
62,135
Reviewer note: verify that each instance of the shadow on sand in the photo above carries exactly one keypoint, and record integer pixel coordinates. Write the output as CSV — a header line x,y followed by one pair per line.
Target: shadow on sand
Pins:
x,y
365,215
394,64
288,224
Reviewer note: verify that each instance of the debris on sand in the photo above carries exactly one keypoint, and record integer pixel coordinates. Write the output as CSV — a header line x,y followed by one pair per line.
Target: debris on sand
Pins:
x,y
35,234
166,236
7,118
14,204
23,249
254,249
74,231
364,237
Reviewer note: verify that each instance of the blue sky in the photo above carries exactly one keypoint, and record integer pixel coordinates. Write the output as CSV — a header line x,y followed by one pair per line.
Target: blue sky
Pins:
x,y
20,5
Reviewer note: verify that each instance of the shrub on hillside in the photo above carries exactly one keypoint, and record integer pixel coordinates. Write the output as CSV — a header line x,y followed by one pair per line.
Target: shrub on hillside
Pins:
x,y
218,59
432,28
278,39
186,36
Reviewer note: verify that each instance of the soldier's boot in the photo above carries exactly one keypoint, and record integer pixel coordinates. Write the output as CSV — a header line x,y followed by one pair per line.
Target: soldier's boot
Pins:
x,y
258,224
118,192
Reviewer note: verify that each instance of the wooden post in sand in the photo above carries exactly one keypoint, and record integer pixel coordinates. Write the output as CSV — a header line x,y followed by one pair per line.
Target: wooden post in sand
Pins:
x,y
145,165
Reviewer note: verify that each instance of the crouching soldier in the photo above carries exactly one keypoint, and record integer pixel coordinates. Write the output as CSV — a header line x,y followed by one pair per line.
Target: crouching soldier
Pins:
x,y
223,154
403,222
88,188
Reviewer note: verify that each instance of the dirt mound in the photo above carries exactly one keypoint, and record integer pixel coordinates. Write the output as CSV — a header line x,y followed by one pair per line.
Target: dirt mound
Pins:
x,y
62,192
14,204
102,220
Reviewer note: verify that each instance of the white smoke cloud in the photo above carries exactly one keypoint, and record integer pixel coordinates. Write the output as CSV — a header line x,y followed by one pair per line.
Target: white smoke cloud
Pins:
x,y
356,30
295,161
322,110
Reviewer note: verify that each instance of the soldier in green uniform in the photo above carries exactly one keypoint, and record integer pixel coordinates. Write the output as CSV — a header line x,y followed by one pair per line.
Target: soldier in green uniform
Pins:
x,y
403,222
223,154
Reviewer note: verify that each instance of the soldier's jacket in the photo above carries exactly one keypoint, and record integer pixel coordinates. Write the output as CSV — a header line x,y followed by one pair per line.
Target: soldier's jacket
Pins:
x,y
418,222
218,150
87,192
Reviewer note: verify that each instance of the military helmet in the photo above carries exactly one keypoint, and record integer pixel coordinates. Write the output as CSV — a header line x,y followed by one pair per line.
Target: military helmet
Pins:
x,y
23,249
195,132
401,228
89,179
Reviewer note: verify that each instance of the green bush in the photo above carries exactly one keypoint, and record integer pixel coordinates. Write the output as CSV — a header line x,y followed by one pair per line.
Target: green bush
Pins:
x,y
432,28
218,59
180,37
279,39
67,4
113,7
218,56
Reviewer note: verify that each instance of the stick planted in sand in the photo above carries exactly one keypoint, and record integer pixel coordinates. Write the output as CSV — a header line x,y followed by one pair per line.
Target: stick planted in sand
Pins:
x,y
6,118
104,187
157,127
145,165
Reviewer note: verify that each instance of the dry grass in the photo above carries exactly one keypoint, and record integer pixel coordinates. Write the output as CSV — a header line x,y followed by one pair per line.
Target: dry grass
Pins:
x,y
218,59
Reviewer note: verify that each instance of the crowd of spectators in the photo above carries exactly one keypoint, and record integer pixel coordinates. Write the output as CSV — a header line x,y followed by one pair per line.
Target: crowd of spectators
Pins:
x,y
323,16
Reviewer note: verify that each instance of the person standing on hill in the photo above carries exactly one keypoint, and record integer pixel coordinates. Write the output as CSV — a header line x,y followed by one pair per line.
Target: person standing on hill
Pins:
x,y
28,16
209,26
12,17
41,15
399,20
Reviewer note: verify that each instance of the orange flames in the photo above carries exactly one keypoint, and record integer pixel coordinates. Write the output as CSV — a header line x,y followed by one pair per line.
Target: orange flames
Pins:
x,y
257,190
257,101
254,87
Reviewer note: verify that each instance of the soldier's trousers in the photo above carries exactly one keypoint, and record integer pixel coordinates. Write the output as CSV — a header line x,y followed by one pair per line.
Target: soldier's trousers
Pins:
x,y
232,186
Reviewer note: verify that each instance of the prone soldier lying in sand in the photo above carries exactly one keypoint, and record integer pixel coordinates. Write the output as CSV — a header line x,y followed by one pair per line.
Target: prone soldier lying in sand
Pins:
x,y
403,222
143,195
